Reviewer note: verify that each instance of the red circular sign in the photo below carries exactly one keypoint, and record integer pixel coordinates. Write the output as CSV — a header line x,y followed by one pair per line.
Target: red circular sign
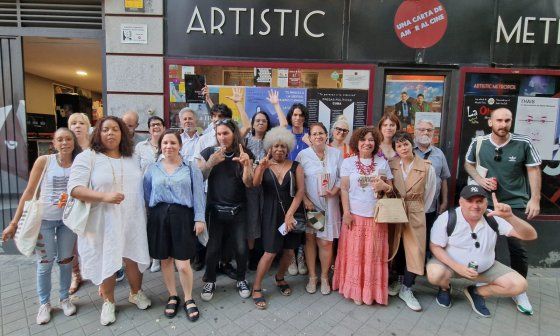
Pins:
x,y
420,23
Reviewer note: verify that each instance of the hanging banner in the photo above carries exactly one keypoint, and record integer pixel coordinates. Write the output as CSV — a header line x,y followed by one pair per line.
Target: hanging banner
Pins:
x,y
325,105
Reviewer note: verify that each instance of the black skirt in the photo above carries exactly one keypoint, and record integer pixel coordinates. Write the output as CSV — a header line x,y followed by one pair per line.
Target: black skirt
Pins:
x,y
171,232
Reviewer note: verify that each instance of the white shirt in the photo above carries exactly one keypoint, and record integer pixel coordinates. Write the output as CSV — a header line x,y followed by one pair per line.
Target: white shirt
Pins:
x,y
189,144
313,167
206,140
460,246
362,199
145,154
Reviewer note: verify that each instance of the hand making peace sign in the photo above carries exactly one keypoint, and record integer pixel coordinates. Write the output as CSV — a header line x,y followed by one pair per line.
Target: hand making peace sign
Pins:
x,y
243,158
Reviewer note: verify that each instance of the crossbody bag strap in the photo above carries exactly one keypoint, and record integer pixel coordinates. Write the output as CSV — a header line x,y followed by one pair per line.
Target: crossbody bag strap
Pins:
x,y
91,167
477,153
36,193
277,192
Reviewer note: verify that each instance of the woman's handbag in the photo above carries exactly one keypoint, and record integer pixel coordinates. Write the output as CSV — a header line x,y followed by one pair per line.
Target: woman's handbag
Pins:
x,y
390,211
76,212
29,223
316,220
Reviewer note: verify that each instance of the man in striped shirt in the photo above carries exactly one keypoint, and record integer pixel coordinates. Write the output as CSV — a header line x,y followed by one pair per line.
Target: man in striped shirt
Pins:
x,y
514,175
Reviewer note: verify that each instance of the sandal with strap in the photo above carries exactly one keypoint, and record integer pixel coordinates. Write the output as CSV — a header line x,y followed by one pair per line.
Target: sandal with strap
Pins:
x,y
284,288
76,282
172,306
191,310
259,302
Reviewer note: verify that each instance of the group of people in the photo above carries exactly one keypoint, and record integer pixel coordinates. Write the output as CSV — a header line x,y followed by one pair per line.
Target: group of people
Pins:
x,y
277,188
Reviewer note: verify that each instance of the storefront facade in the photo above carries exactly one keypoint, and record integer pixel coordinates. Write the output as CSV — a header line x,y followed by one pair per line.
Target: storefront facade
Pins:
x,y
353,58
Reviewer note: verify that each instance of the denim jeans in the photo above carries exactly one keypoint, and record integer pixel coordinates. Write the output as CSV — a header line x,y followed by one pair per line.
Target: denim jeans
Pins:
x,y
56,242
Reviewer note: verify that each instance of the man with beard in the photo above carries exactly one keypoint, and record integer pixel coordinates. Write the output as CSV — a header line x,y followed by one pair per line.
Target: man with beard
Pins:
x,y
514,175
423,137
190,134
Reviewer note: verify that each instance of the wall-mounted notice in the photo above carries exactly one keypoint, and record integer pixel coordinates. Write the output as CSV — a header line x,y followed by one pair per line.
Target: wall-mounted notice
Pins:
x,y
325,105
132,33
536,118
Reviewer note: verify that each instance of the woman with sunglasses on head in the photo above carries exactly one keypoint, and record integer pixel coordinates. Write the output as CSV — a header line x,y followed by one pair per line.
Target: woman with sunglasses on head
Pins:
x,y
414,181
229,171
80,125
339,132
174,192
108,177
56,241
388,126
321,165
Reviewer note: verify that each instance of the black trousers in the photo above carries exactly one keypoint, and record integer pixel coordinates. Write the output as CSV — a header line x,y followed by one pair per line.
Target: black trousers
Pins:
x,y
430,219
231,233
517,250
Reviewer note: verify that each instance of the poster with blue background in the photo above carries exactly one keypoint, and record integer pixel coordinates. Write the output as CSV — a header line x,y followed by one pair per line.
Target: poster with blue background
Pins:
x,y
256,99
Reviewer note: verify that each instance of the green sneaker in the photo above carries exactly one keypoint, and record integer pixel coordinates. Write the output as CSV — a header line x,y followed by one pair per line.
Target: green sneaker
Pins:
x,y
523,304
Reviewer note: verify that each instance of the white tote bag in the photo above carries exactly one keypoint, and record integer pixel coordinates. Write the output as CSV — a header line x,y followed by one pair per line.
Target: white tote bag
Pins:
x,y
76,212
479,169
29,224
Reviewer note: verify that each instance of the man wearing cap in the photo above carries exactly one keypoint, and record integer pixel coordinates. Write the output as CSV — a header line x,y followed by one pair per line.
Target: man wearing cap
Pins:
x,y
468,250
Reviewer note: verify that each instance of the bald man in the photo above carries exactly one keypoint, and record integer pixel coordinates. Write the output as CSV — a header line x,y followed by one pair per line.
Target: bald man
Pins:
x,y
514,174
130,118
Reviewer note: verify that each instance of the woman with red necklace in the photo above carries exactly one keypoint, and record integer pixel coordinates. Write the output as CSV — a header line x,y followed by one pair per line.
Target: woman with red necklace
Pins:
x,y
361,267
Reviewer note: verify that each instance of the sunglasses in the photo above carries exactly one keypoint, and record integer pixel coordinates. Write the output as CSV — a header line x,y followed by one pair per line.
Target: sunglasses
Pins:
x,y
475,237
223,122
498,154
342,130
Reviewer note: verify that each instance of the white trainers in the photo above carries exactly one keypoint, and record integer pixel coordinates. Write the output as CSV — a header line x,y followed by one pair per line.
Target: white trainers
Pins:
x,y
395,286
44,313
107,313
302,267
243,289
523,304
293,269
408,297
68,307
140,300
156,266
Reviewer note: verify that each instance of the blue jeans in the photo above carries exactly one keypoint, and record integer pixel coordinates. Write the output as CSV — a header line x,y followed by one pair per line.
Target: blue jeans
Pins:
x,y
55,242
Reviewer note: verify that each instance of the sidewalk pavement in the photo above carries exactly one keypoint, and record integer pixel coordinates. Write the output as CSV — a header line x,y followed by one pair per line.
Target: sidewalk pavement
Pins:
x,y
298,314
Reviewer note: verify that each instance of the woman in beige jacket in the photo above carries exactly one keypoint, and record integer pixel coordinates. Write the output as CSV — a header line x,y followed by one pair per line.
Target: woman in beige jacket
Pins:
x,y
414,181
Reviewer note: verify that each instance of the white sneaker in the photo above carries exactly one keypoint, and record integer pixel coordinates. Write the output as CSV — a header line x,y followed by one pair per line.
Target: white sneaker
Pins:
x,y
208,291
523,304
243,289
293,269
68,307
302,267
156,266
140,300
107,313
408,297
44,313
395,286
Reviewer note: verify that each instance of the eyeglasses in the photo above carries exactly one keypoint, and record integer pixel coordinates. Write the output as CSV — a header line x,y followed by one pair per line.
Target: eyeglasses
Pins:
x,y
498,154
475,237
156,125
422,130
341,130
318,134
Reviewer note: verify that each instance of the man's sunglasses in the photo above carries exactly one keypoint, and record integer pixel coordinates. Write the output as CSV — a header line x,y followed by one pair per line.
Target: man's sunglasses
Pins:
x,y
474,236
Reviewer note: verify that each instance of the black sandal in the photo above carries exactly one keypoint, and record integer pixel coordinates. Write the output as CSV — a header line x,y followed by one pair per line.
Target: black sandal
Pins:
x,y
174,306
285,288
258,301
191,310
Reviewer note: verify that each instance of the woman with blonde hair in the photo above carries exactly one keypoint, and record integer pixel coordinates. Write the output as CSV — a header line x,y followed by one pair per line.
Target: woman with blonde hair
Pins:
x,y
79,124
339,131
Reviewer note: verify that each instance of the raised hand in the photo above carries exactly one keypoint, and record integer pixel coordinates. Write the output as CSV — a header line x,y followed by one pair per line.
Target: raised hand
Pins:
x,y
266,162
243,158
237,95
206,92
273,97
500,209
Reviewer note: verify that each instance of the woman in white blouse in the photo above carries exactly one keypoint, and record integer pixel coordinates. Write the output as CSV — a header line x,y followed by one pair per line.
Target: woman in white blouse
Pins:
x,y
321,165
108,177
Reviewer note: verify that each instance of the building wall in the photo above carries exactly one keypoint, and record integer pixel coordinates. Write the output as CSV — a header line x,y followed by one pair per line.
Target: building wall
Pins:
x,y
134,72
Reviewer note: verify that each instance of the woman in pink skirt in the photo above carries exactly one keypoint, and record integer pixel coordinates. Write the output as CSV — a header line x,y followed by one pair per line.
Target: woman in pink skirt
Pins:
x,y
361,268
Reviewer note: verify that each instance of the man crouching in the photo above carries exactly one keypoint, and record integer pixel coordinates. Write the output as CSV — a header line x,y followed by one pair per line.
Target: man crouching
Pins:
x,y
463,243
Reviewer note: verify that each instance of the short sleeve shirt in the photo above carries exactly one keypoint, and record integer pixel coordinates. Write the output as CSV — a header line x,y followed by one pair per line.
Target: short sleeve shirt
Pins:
x,y
361,194
460,246
225,181
516,154
441,169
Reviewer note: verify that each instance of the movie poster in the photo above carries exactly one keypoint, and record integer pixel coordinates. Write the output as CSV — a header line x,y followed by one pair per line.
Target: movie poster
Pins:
x,y
325,105
407,94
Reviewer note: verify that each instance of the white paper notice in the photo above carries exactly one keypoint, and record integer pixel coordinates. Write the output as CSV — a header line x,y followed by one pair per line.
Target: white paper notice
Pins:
x,y
134,33
355,79
282,78
536,117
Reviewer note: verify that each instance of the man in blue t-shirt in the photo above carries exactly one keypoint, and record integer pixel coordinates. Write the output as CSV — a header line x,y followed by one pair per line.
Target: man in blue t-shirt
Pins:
x,y
514,174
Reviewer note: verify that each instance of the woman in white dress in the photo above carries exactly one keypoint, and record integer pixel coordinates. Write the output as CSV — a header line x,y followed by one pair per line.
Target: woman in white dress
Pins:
x,y
116,227
321,165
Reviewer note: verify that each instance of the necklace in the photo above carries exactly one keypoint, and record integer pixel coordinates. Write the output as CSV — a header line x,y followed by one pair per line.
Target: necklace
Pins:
x,y
364,170
118,187
229,155
278,173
